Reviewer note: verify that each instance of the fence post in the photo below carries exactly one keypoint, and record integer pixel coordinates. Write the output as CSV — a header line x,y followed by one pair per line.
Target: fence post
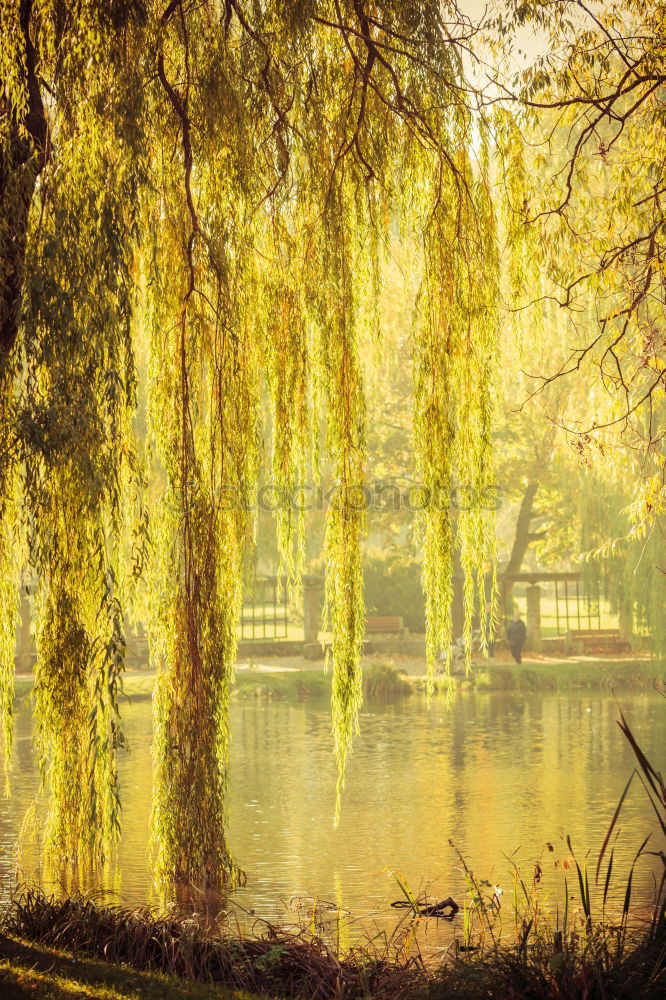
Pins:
x,y
533,595
626,621
25,643
313,594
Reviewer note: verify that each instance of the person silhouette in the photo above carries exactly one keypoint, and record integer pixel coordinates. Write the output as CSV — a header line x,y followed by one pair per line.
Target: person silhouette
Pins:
x,y
515,633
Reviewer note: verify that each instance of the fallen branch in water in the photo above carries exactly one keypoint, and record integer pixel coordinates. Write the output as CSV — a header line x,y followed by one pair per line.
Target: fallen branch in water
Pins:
x,y
434,910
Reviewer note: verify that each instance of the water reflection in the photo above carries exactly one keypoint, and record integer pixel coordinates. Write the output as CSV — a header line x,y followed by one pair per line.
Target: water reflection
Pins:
x,y
499,775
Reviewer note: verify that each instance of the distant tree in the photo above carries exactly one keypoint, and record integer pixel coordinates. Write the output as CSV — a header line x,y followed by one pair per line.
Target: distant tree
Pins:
x,y
593,111
589,202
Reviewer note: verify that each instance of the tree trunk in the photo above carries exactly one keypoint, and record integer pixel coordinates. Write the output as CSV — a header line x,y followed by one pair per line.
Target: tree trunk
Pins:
x,y
521,542
523,537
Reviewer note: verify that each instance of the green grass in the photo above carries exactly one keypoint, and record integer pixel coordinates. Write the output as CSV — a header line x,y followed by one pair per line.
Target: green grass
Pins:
x,y
34,971
289,962
382,680
567,675
571,675
288,685
135,686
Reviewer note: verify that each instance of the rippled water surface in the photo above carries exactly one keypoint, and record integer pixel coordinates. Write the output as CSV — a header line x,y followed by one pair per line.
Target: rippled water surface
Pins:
x,y
498,774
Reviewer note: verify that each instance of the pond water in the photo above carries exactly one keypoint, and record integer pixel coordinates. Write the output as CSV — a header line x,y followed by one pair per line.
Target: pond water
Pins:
x,y
500,774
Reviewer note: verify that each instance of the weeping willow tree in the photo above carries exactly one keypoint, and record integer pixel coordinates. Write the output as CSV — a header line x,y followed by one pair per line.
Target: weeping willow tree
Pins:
x,y
68,394
218,183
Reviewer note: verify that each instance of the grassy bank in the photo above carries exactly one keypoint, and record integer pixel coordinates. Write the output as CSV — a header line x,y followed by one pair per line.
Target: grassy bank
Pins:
x,y
59,949
28,970
382,681
617,675
568,675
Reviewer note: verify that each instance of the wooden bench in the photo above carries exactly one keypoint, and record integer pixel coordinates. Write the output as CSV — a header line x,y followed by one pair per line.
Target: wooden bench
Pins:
x,y
388,625
596,640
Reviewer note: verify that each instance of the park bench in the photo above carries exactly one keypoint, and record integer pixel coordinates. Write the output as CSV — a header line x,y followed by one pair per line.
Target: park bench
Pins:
x,y
596,640
388,625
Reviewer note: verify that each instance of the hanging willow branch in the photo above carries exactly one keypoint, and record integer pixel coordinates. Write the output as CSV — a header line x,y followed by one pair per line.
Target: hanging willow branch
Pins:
x,y
223,184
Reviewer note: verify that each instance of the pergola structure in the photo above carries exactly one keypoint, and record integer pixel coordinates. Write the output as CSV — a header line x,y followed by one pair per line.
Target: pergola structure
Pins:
x,y
573,606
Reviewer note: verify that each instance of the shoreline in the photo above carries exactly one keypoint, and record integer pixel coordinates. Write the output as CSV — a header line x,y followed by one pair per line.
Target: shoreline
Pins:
x,y
387,678
73,947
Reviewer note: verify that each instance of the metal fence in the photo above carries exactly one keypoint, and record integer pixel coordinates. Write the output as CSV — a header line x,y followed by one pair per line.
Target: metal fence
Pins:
x,y
567,604
265,613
